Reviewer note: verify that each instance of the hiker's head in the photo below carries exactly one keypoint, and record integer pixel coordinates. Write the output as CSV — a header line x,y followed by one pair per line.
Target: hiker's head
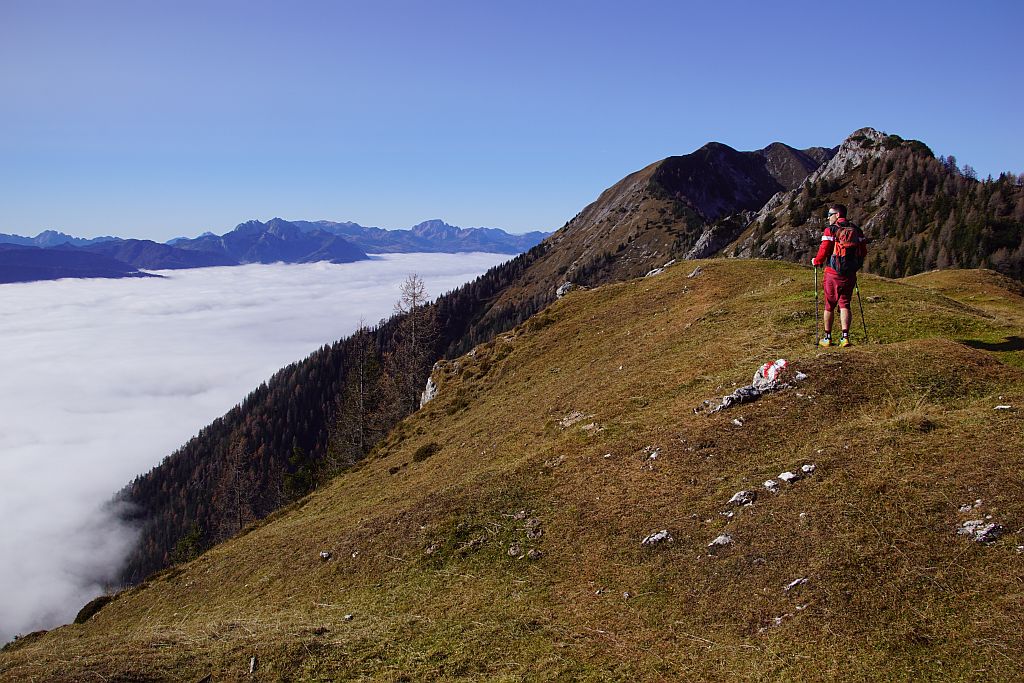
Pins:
x,y
835,212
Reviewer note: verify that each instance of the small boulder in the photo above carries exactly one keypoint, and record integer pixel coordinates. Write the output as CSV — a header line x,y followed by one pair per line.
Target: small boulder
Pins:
x,y
657,537
772,485
743,498
720,542
533,529
324,555
808,469
982,531
534,555
789,477
515,550
793,584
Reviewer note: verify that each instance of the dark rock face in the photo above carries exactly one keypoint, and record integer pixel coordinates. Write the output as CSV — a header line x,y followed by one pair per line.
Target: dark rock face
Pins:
x,y
31,264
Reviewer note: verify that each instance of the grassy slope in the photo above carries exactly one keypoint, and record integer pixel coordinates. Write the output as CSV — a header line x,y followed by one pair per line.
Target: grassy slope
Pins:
x,y
902,431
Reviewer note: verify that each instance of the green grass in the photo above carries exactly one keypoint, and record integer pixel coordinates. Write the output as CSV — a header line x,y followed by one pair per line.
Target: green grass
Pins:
x,y
902,430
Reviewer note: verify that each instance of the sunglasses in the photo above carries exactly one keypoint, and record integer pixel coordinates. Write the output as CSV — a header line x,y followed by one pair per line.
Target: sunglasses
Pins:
x,y
833,213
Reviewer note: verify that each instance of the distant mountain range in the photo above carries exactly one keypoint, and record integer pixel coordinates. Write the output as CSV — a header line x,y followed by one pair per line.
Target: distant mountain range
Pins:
x,y
24,263
52,254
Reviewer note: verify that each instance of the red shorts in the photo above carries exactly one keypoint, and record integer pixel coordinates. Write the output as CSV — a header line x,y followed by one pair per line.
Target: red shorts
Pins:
x,y
838,289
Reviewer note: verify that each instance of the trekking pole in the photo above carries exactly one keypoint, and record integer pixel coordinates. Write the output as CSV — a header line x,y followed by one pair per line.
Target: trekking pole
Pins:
x,y
816,323
862,321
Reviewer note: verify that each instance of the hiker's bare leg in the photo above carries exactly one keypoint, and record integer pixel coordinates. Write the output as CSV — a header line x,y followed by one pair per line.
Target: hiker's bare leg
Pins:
x,y
828,322
844,319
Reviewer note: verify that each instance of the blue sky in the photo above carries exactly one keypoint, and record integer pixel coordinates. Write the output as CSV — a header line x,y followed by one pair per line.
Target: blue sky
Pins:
x,y
146,119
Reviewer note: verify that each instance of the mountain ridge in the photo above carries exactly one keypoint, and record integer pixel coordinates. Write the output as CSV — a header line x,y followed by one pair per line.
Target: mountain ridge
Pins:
x,y
277,240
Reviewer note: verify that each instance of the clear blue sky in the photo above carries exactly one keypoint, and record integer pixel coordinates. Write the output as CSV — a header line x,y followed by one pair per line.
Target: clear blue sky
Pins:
x,y
158,119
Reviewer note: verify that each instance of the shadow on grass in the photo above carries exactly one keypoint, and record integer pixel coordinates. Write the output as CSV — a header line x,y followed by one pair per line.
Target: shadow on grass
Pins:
x,y
1013,343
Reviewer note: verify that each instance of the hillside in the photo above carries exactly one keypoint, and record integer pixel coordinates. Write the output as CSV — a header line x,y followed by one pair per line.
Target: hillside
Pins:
x,y
699,204
574,435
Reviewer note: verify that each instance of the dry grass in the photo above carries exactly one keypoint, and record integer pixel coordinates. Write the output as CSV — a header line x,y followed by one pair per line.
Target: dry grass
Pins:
x,y
902,432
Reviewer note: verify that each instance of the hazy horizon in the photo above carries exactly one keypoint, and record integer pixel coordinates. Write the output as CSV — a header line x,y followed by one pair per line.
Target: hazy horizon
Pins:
x,y
104,378
223,231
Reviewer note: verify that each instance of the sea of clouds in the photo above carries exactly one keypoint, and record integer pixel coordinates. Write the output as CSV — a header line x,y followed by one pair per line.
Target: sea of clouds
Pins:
x,y
101,379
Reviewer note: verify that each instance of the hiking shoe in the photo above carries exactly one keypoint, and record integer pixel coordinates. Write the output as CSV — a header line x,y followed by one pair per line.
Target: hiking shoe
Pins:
x,y
844,342
825,341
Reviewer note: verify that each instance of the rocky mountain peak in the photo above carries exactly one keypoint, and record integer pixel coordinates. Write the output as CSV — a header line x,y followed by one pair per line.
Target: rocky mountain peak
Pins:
x,y
861,145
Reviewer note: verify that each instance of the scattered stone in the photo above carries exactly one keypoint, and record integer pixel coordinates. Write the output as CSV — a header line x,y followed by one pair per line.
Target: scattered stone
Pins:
x,y
982,531
657,537
472,545
793,584
533,529
349,617
564,289
534,555
521,515
554,462
772,485
572,418
592,427
743,498
803,516
650,453
433,548
799,376
515,550
720,542
729,515
738,421
627,595
1020,549
656,271
789,477
696,271
355,554
324,555
808,469
967,507
599,591
1004,407
607,456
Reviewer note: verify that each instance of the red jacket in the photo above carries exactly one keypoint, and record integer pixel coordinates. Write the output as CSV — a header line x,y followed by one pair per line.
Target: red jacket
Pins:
x,y
828,240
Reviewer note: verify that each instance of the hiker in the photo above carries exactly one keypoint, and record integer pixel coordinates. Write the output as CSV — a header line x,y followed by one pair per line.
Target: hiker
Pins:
x,y
842,251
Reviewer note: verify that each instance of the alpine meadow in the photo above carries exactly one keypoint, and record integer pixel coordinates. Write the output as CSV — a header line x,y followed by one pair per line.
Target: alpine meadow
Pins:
x,y
536,341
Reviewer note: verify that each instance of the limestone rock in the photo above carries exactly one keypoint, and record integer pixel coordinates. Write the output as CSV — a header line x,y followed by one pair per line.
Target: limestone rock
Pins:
x,y
657,537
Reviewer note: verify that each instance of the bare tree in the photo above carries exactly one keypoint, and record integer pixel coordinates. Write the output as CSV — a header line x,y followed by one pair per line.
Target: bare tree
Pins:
x,y
356,426
413,343
234,492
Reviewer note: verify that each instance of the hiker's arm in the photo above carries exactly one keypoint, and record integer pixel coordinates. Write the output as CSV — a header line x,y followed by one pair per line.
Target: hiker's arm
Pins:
x,y
825,250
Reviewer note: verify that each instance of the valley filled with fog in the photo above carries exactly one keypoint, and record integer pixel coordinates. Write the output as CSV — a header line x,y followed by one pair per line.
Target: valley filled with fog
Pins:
x,y
101,379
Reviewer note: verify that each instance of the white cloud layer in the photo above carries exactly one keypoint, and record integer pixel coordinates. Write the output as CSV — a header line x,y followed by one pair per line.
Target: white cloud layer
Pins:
x,y
101,379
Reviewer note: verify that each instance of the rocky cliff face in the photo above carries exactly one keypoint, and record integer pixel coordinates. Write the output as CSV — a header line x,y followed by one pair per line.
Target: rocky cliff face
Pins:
x,y
679,206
